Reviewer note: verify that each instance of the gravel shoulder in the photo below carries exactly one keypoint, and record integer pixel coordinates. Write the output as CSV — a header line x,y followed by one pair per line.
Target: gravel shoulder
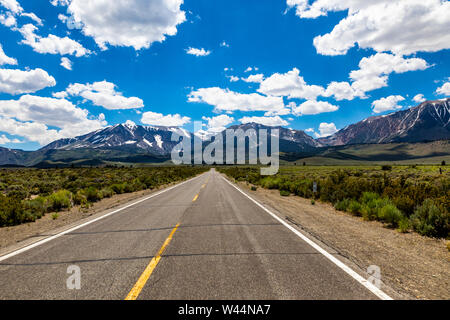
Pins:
x,y
15,237
416,267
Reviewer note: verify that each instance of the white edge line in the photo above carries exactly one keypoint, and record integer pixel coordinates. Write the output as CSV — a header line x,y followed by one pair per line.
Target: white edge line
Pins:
x,y
38,243
370,286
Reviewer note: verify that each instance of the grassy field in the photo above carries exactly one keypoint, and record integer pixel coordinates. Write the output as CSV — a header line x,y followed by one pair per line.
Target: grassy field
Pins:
x,y
28,194
404,197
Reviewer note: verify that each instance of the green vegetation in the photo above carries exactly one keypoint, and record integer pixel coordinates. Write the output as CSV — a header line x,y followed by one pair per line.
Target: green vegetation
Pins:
x,y
404,197
28,194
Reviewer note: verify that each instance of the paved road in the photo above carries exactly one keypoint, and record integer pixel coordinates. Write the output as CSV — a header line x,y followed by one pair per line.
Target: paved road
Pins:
x,y
225,247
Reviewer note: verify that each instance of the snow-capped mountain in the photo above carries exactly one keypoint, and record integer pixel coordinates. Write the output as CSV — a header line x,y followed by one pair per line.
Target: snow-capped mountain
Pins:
x,y
154,140
129,142
428,121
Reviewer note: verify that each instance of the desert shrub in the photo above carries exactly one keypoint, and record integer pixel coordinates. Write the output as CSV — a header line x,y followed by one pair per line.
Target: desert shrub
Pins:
x,y
404,225
390,214
79,198
285,193
386,167
59,200
430,221
313,202
107,192
254,188
354,207
342,205
11,211
92,194
118,188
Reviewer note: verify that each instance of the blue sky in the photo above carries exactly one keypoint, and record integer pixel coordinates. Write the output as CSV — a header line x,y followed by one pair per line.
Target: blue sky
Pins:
x,y
134,64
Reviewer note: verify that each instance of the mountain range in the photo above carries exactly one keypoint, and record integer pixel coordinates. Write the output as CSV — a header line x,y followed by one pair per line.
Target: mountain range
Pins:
x,y
130,143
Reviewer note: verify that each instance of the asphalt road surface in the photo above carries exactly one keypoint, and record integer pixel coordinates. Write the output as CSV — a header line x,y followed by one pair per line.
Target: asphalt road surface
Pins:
x,y
203,239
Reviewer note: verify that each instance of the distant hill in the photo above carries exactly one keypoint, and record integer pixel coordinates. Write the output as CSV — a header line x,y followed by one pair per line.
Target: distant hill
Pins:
x,y
429,121
394,137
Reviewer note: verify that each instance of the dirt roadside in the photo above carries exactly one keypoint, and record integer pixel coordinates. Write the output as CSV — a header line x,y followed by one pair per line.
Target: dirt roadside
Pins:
x,y
414,266
12,238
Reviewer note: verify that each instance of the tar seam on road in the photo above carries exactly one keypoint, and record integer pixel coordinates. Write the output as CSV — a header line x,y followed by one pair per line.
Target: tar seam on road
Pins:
x,y
134,293
367,284
36,244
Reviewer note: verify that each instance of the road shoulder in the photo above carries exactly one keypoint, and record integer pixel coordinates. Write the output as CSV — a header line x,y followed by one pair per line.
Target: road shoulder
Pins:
x,y
412,266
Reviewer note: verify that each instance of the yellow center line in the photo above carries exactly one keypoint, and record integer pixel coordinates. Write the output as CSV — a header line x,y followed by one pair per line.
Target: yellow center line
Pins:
x,y
195,198
134,293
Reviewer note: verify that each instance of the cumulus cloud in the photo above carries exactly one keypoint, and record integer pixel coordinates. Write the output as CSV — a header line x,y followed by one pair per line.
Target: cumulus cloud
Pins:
x,y
51,44
401,27
419,98
8,20
28,81
342,91
218,123
387,104
33,17
312,107
254,78
326,129
444,90
275,121
233,78
198,52
374,70
158,119
4,140
229,101
127,23
4,59
11,5
104,94
66,63
290,85
30,117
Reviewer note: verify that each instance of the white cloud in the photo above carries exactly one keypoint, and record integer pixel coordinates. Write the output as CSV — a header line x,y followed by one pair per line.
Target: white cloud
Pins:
x,y
158,119
387,104
419,98
312,107
217,124
227,100
254,78
290,85
224,44
30,117
11,5
342,91
4,140
131,23
8,20
374,70
311,130
104,94
4,59
66,63
444,90
198,52
402,27
326,129
60,95
267,121
51,44
29,81
33,17
233,78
